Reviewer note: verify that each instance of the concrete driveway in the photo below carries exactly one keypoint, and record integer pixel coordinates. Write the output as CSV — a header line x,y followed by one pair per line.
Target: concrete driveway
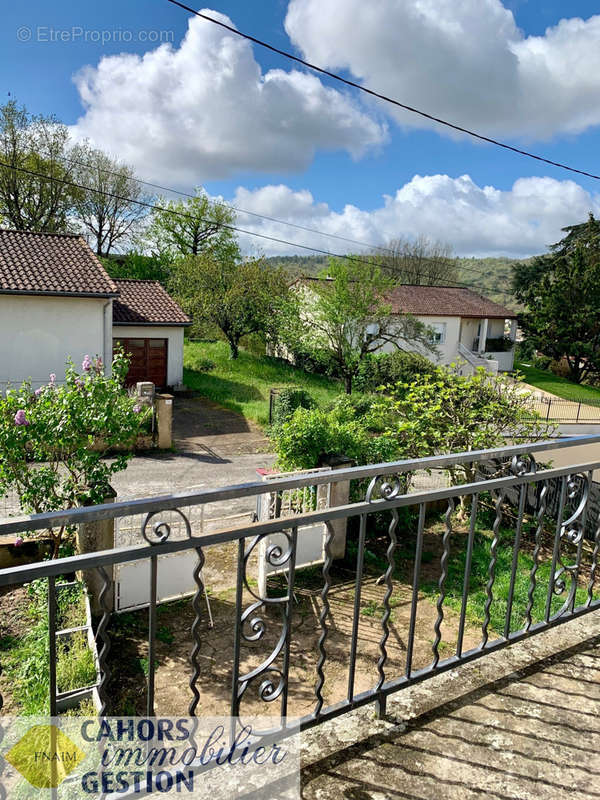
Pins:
x,y
214,447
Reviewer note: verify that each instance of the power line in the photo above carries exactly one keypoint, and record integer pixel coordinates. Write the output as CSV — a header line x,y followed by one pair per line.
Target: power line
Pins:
x,y
226,226
380,96
261,216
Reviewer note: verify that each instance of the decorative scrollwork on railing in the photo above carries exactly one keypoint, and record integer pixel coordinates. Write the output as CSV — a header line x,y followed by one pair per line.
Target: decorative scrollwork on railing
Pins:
x,y
387,610
523,465
253,624
195,654
161,530
385,487
489,589
323,617
571,534
442,582
104,600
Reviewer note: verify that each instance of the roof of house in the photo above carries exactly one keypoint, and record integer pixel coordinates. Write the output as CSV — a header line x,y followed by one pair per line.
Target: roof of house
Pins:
x,y
51,263
439,301
145,303
445,301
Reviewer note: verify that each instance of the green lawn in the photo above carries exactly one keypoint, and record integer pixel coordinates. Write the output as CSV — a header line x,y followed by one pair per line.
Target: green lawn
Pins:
x,y
243,384
561,387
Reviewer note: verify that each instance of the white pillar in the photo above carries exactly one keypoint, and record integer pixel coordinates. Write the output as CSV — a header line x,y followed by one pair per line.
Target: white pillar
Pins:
x,y
513,330
483,335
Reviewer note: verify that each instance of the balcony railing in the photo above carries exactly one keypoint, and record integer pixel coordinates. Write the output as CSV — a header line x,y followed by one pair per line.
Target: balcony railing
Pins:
x,y
549,505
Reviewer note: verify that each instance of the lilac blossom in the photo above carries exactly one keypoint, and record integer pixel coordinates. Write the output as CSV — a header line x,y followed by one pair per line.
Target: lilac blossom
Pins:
x,y
87,364
137,409
18,541
20,418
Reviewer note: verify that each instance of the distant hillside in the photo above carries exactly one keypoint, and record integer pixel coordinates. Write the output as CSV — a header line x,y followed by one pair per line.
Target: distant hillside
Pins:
x,y
488,276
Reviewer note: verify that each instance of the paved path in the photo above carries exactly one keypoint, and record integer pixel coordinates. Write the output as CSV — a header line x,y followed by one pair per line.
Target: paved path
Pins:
x,y
214,447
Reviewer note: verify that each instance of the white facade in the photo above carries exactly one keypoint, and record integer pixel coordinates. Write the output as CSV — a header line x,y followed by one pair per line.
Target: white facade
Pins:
x,y
449,332
38,333
174,336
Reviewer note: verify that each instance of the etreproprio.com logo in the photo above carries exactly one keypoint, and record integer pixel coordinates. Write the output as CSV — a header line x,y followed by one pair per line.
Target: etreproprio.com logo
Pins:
x,y
209,757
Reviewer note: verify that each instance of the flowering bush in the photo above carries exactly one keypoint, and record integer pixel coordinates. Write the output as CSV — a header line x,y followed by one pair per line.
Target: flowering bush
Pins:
x,y
53,440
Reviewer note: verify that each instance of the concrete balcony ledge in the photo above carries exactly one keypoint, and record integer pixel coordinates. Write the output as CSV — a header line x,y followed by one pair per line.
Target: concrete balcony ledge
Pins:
x,y
521,723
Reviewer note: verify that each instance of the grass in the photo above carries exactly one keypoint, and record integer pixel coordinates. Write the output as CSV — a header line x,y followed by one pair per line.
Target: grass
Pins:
x,y
26,657
243,384
479,577
561,387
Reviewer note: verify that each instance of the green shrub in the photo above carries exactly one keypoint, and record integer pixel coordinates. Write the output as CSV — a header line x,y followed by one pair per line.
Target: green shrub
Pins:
x,y
310,435
287,400
542,362
381,369
525,351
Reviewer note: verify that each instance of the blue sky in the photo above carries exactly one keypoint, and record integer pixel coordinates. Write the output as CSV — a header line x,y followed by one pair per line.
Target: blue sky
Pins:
x,y
349,153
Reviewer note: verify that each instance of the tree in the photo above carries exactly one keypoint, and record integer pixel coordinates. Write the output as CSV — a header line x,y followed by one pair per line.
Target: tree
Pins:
x,y
347,315
108,211
38,144
239,297
46,439
138,266
420,261
561,292
452,413
191,227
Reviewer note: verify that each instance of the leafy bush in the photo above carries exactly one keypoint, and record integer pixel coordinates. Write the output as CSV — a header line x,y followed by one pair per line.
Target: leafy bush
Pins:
x,y
317,361
310,435
380,369
53,441
287,401
525,350
542,362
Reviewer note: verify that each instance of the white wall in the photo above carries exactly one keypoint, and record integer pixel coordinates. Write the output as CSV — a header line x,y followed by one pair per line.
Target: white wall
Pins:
x,y
448,352
174,345
38,333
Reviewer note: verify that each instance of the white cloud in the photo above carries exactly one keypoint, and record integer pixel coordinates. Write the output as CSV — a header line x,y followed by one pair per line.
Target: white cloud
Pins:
x,y
465,61
475,220
205,111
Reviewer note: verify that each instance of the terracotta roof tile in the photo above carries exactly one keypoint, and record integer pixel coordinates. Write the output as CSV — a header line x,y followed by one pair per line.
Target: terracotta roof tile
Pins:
x,y
445,301
439,301
50,263
145,303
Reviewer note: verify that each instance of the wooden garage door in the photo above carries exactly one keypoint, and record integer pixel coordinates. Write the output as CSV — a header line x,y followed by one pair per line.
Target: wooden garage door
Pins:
x,y
148,360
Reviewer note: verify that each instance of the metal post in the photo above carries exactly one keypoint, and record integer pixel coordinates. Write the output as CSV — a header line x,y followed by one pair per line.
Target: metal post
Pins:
x,y
52,643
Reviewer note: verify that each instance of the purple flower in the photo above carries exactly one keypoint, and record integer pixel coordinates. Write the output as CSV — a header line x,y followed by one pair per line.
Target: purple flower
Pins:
x,y
87,364
137,409
38,392
79,383
52,378
18,541
99,366
20,418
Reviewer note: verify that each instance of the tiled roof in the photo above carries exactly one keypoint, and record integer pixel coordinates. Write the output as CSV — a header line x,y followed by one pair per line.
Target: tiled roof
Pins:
x,y
145,303
445,301
51,263
439,301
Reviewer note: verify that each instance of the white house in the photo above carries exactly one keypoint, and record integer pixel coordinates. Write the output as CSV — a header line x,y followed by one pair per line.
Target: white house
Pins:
x,y
58,301
468,329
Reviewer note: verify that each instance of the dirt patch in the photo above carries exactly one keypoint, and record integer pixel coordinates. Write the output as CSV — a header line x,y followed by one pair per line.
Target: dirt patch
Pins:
x,y
130,650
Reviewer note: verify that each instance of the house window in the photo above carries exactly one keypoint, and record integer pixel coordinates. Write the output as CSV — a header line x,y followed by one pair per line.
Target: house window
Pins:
x,y
438,332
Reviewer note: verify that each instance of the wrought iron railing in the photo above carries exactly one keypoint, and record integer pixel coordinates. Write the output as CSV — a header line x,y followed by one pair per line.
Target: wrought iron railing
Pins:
x,y
573,573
